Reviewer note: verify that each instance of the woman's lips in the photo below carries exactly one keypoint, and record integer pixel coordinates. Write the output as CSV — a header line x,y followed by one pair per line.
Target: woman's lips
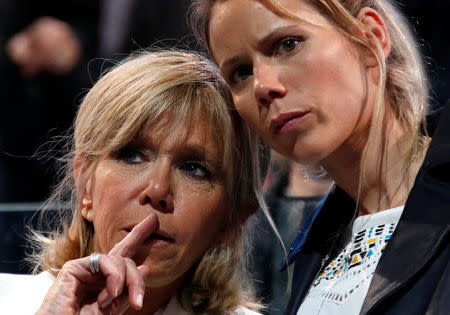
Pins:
x,y
286,122
155,237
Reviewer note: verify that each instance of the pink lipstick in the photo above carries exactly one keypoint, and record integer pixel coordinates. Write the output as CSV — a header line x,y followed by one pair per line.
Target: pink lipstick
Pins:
x,y
286,122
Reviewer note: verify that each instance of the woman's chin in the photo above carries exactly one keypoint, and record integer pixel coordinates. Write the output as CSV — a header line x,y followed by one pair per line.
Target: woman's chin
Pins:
x,y
156,272
305,156
157,278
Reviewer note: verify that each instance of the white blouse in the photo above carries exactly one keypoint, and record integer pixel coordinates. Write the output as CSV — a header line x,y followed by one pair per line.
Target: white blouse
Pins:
x,y
174,308
24,294
343,285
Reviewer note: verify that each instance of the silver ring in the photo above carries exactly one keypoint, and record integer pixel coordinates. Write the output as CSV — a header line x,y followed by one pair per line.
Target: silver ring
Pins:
x,y
93,262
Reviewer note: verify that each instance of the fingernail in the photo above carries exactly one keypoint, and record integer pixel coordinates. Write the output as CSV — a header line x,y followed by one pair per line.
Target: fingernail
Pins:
x,y
107,301
117,292
125,307
139,300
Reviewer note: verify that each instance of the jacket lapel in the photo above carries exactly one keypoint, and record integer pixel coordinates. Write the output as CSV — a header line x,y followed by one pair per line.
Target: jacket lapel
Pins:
x,y
424,225
315,241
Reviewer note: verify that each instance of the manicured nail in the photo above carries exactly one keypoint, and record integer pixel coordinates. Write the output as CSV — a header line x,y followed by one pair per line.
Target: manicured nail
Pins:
x,y
117,291
139,300
107,302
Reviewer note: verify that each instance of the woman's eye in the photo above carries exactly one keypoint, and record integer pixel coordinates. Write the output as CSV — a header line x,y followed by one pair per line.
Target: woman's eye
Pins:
x,y
196,169
129,155
286,46
240,74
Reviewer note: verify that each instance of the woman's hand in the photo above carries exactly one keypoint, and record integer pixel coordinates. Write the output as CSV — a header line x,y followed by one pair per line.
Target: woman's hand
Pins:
x,y
118,286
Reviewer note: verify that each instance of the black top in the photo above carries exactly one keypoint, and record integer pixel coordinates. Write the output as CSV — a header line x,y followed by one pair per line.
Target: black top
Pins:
x,y
412,276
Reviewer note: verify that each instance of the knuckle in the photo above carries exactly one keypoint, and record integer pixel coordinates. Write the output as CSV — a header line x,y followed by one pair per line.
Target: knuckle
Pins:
x,y
115,248
130,262
68,265
116,274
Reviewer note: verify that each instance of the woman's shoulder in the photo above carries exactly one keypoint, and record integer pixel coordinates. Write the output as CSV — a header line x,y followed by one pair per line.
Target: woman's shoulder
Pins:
x,y
23,294
241,310
174,307
9,281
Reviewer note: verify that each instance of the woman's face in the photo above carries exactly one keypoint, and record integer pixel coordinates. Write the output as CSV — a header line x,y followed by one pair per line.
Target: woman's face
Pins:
x,y
302,87
178,176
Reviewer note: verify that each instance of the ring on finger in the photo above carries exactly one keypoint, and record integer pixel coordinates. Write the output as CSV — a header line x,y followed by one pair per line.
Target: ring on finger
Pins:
x,y
93,262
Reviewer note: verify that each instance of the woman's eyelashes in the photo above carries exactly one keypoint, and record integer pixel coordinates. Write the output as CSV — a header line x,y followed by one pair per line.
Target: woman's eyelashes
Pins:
x,y
240,73
129,155
197,169
286,46
279,48
193,168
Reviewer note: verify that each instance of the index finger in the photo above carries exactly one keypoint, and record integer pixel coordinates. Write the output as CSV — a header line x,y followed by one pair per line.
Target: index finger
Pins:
x,y
127,247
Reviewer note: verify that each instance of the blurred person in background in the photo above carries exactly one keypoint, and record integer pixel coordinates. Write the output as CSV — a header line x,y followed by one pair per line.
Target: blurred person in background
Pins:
x,y
47,59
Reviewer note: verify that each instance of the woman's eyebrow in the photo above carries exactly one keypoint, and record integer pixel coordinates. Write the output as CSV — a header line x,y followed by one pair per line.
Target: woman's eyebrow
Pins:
x,y
193,150
261,44
199,152
229,63
274,35
137,143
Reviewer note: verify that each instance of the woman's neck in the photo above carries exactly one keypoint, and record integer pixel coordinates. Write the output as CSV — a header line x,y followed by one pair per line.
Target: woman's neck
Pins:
x,y
387,181
301,184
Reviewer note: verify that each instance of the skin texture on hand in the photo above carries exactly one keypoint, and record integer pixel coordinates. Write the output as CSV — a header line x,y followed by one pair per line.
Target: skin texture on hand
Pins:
x,y
117,287
48,45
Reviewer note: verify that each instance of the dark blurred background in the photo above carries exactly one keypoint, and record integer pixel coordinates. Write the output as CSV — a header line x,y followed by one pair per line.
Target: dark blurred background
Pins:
x,y
51,52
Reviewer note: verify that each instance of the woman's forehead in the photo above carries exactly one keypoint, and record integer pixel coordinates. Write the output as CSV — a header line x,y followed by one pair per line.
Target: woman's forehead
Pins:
x,y
298,10
236,24
194,130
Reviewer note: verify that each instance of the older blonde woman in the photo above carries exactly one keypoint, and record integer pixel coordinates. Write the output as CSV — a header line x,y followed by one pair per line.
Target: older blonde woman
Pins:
x,y
340,83
162,177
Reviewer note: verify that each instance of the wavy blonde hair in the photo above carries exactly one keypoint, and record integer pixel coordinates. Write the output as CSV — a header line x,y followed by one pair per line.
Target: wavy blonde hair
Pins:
x,y
402,81
150,87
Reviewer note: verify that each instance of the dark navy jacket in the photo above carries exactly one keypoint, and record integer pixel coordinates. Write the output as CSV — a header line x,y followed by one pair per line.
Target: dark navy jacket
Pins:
x,y
413,274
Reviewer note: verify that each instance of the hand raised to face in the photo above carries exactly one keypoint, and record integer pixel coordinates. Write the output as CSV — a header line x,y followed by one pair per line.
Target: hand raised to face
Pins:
x,y
120,282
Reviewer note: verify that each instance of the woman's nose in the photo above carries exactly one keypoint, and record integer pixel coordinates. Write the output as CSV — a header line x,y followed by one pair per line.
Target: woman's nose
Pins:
x,y
267,86
157,192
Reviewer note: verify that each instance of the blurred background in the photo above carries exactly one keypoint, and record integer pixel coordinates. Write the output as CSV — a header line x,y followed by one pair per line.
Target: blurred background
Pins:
x,y
51,52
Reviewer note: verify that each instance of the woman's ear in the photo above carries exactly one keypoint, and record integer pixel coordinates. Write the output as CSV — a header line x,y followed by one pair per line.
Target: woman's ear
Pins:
x,y
374,23
85,194
87,211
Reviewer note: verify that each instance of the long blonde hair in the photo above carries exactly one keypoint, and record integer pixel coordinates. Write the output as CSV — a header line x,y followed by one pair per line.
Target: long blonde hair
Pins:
x,y
402,81
150,87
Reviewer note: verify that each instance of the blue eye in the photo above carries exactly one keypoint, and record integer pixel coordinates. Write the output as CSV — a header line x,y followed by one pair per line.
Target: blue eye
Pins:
x,y
129,155
286,46
196,169
240,74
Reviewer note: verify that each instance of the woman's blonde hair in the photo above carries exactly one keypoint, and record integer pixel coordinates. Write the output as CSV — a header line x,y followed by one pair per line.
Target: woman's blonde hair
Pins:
x,y
402,81
176,88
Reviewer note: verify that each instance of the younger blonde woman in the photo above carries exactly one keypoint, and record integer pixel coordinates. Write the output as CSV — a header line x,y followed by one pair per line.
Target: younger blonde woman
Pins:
x,y
340,83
